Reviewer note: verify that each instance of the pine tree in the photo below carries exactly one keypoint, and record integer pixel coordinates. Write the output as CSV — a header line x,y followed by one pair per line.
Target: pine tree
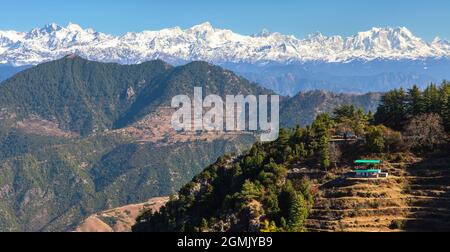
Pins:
x,y
392,111
415,102
298,214
321,128
374,139
431,99
344,112
286,197
369,117
283,225
445,105
204,225
446,116
324,152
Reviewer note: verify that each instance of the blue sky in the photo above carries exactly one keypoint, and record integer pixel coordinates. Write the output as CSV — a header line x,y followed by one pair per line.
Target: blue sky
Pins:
x,y
426,19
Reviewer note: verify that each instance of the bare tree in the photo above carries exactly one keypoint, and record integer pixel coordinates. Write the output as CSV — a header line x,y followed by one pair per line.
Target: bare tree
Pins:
x,y
425,131
335,154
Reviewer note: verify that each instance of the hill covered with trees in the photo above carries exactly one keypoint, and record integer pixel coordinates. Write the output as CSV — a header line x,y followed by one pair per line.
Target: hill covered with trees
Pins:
x,y
399,106
78,137
279,186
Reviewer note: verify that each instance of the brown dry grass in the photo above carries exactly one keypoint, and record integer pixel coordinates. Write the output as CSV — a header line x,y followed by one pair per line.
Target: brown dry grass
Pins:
x,y
124,217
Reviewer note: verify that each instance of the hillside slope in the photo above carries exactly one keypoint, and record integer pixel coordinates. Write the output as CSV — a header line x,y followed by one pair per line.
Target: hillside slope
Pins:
x,y
78,137
413,198
304,107
305,181
62,158
119,219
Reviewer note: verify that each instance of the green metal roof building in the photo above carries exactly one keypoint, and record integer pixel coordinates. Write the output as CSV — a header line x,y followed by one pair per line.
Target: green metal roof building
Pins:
x,y
366,168
367,161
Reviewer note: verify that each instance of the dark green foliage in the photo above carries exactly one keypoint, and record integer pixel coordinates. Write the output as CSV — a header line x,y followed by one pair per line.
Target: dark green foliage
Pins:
x,y
182,80
51,183
398,107
85,96
298,214
375,139
51,180
344,112
431,99
393,110
349,118
444,109
16,143
235,193
251,191
252,187
321,129
81,95
415,101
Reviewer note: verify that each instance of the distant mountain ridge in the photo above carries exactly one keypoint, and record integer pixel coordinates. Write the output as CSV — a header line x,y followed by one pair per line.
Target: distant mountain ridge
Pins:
x,y
376,60
86,96
304,107
206,43
357,77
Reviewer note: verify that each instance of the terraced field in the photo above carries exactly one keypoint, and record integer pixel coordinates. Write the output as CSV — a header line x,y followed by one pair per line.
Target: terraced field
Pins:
x,y
429,187
415,197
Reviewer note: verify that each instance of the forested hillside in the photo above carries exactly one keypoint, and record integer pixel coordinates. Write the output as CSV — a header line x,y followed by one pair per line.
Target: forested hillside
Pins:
x,y
78,137
63,155
399,105
303,181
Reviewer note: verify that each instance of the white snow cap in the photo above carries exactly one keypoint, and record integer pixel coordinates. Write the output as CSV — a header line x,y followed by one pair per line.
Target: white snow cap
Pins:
x,y
204,42
73,27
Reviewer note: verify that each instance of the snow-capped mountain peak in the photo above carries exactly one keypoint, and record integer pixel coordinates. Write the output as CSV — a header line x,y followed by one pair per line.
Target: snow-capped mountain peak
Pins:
x,y
206,26
262,34
74,27
51,27
204,42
